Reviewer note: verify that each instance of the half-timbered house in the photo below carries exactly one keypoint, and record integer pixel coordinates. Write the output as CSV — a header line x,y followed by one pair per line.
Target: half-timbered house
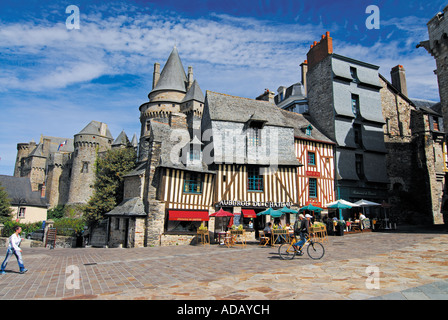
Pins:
x,y
199,154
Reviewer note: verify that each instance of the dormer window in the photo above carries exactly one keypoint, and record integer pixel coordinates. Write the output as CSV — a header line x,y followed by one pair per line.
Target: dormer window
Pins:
x,y
354,74
195,151
194,154
355,105
254,133
435,123
308,130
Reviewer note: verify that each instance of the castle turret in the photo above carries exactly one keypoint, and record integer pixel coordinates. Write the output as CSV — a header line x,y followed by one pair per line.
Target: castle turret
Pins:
x,y
193,106
92,140
169,89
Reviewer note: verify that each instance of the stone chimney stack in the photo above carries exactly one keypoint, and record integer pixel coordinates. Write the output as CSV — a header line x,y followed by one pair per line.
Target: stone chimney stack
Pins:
x,y
398,76
190,77
267,96
103,129
156,74
304,67
320,50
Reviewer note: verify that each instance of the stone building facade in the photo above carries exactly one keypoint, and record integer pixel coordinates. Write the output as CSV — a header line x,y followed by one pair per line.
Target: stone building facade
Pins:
x,y
437,46
344,100
407,134
416,159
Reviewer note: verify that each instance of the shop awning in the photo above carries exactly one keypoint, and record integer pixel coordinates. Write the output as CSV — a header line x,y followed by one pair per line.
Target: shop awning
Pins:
x,y
188,215
249,213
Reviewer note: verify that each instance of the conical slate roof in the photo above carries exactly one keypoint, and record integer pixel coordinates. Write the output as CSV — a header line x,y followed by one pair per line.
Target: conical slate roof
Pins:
x,y
173,75
122,139
94,128
194,93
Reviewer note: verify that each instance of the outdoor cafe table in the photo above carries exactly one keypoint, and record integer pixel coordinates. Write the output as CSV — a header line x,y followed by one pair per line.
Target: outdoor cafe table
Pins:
x,y
236,236
277,233
222,235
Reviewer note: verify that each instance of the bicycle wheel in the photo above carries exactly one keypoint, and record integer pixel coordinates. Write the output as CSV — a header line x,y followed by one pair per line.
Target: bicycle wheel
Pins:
x,y
315,250
286,251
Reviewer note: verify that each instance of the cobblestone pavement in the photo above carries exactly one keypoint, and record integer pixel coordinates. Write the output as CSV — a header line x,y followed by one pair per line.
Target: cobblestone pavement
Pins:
x,y
370,265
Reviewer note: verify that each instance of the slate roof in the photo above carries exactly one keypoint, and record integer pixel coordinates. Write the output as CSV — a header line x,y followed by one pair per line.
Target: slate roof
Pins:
x,y
93,128
427,106
173,75
194,93
122,139
129,207
223,107
20,188
300,122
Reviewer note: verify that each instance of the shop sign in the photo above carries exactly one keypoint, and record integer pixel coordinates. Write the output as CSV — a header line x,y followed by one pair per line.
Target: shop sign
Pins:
x,y
268,204
313,174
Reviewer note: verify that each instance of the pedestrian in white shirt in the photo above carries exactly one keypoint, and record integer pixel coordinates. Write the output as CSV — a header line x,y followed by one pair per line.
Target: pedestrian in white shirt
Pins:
x,y
14,249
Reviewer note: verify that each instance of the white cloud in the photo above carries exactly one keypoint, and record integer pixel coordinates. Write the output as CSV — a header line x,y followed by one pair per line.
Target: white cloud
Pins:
x,y
46,70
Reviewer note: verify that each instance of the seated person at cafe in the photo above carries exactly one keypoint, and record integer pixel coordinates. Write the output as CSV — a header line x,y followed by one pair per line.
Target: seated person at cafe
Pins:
x,y
268,230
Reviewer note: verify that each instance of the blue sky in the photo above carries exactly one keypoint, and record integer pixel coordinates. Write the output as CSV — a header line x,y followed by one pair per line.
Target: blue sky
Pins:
x,y
54,81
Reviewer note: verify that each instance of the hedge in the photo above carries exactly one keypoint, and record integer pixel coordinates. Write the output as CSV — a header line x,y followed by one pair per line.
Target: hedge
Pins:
x,y
26,227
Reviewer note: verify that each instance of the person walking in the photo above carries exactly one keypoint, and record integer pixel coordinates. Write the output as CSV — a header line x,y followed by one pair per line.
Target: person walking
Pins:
x,y
14,249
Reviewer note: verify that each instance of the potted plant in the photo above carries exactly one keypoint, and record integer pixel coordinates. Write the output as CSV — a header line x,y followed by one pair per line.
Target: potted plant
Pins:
x,y
202,228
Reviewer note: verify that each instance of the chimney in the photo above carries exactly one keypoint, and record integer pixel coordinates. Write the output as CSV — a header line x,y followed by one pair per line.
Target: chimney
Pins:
x,y
304,67
320,50
103,129
156,74
266,96
46,147
190,77
43,191
398,76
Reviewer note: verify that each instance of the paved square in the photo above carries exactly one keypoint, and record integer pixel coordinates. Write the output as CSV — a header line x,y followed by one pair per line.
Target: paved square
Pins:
x,y
410,265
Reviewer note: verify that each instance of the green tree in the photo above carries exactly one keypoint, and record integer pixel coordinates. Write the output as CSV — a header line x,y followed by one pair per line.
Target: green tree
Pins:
x,y
56,212
5,204
108,187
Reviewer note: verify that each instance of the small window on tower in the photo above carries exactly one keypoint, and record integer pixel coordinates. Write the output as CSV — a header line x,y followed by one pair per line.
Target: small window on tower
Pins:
x,y
85,167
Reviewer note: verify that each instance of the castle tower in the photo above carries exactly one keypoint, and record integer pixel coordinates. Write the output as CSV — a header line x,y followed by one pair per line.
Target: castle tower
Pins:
x,y
437,46
168,92
193,105
23,151
92,140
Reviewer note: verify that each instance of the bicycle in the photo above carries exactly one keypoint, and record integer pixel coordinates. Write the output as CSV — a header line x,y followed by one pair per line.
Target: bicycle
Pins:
x,y
288,251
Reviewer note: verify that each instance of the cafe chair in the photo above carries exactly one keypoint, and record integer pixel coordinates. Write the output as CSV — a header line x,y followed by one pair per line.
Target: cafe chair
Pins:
x,y
264,240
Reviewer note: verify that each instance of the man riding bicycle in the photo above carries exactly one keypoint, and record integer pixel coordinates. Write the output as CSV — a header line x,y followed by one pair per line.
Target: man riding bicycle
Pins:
x,y
301,229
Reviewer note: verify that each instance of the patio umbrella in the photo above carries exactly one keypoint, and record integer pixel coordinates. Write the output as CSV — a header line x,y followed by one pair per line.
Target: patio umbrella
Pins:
x,y
222,213
310,207
341,204
342,201
366,203
271,212
287,210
